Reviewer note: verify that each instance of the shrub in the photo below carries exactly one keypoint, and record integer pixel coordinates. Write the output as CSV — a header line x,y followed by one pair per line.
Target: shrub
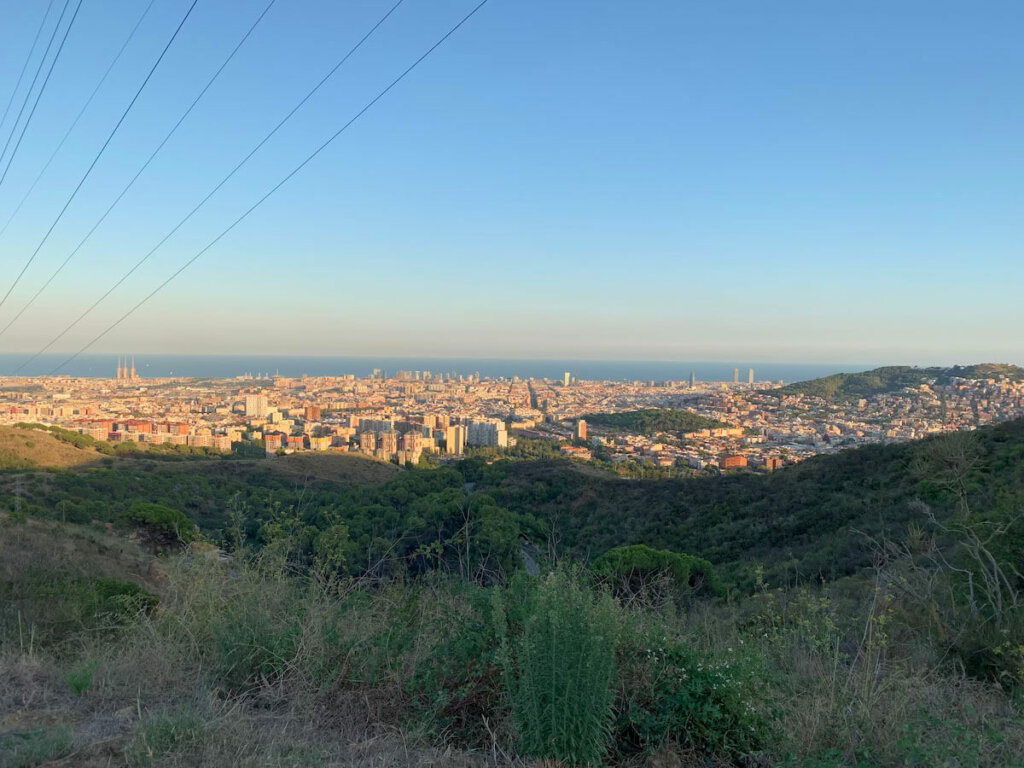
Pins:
x,y
122,600
668,692
79,677
458,686
255,634
639,570
560,667
162,525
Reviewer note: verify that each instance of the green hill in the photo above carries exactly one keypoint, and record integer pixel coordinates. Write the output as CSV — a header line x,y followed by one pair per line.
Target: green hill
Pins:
x,y
811,519
851,386
807,520
652,421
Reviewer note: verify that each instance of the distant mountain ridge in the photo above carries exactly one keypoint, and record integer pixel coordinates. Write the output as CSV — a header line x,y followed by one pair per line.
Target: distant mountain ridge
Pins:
x,y
848,386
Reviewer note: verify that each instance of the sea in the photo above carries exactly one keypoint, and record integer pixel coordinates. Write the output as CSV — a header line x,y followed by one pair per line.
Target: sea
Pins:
x,y
230,366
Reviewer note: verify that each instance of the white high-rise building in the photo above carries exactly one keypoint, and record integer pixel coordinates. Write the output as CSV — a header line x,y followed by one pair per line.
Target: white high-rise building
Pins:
x,y
455,439
487,432
566,378
256,406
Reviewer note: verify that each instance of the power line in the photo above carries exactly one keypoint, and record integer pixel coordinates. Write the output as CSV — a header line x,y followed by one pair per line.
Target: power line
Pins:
x,y
276,187
220,184
35,77
24,66
78,117
145,165
39,95
98,154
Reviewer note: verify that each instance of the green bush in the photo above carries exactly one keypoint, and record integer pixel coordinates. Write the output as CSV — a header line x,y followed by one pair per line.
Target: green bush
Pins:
x,y
122,600
361,639
458,687
79,677
668,692
559,668
255,637
163,524
639,569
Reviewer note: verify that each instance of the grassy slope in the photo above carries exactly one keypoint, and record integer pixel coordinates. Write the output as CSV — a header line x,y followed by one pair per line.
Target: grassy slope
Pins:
x,y
160,695
87,551
807,512
148,702
30,447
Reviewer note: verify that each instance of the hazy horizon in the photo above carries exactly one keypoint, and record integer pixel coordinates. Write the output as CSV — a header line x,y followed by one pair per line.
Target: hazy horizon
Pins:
x,y
103,365
600,180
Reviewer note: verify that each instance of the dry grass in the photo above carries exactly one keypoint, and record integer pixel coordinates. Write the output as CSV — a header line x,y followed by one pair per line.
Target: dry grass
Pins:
x,y
73,549
42,449
158,697
123,721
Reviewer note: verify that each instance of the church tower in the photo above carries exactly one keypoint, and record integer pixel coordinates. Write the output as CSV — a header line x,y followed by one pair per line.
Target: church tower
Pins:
x,y
119,370
133,368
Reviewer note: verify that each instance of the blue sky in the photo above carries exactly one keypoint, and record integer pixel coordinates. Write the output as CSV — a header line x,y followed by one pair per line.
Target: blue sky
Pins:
x,y
793,181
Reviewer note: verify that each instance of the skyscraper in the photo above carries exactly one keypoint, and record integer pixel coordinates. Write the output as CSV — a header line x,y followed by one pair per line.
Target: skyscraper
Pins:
x,y
693,379
581,431
455,439
735,375
566,377
256,405
487,432
750,377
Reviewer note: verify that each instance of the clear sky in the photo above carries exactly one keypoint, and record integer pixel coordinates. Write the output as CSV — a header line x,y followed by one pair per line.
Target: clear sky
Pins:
x,y
787,181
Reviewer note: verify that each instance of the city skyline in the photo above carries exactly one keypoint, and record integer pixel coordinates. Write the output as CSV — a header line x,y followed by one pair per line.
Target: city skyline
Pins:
x,y
876,195
103,365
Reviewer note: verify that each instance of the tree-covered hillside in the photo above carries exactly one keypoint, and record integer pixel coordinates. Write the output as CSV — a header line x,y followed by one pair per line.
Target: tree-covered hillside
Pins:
x,y
807,520
810,519
850,386
652,421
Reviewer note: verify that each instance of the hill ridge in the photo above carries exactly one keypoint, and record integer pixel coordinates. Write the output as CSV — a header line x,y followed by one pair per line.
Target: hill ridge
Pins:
x,y
893,378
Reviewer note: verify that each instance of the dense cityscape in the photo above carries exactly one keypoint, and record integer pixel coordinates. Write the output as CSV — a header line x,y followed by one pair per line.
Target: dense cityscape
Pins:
x,y
409,416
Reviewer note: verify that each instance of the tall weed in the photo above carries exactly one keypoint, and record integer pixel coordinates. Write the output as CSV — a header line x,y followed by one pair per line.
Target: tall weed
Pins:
x,y
560,669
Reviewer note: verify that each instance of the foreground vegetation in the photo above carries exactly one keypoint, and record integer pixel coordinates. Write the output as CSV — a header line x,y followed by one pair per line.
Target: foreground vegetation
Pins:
x,y
109,656
856,611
